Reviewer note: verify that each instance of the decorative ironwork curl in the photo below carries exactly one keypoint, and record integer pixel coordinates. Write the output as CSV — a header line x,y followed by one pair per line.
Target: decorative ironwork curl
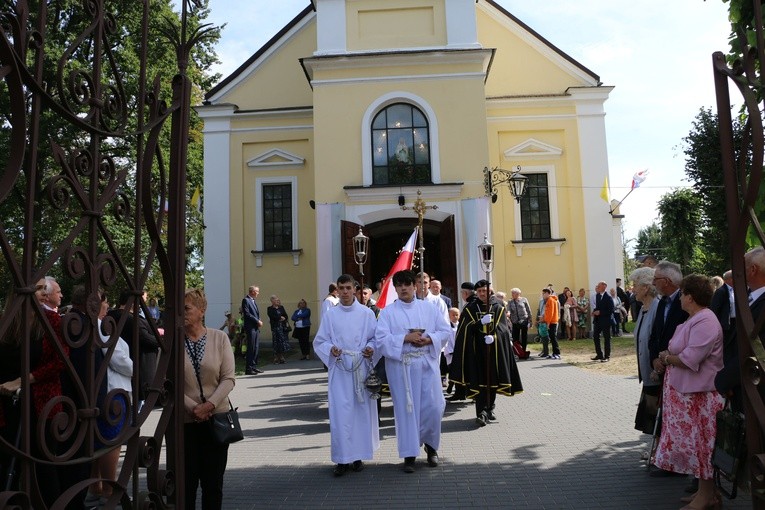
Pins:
x,y
107,269
77,262
59,417
148,451
58,191
122,209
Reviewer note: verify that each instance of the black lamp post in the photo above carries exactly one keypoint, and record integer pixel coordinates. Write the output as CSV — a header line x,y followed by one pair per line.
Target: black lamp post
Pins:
x,y
360,250
514,179
486,253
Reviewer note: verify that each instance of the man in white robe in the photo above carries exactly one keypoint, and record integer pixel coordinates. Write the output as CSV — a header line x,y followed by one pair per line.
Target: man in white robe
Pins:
x,y
410,335
346,344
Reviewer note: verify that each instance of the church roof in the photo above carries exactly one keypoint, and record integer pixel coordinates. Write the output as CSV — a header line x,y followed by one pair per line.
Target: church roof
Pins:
x,y
312,7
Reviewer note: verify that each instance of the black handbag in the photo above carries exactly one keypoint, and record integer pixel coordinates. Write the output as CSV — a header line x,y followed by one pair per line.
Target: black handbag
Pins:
x,y
225,427
729,449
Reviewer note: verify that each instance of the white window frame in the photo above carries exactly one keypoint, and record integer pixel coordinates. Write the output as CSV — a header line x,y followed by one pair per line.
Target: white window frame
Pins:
x,y
552,193
366,132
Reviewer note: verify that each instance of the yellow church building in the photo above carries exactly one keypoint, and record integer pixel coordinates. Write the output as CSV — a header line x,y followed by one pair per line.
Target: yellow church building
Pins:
x,y
357,107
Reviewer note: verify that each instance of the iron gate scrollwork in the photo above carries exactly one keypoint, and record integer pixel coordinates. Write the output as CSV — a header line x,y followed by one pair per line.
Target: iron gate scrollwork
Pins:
x,y
743,177
90,191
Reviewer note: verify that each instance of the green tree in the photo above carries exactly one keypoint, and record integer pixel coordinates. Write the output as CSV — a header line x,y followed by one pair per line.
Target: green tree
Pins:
x,y
57,214
650,242
680,213
703,166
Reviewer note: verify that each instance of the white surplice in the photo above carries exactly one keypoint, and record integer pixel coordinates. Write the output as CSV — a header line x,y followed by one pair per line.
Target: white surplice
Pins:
x,y
413,372
353,424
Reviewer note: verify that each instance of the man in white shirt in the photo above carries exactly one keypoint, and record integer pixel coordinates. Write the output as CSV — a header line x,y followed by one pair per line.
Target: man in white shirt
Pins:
x,y
331,299
410,334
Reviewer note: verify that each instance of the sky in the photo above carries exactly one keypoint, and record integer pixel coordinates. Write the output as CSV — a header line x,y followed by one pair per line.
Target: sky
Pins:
x,y
656,53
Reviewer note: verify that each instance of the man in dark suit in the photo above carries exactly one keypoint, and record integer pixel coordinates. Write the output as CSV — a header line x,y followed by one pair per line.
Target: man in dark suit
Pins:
x,y
723,306
669,314
252,325
602,311
667,277
728,380
435,289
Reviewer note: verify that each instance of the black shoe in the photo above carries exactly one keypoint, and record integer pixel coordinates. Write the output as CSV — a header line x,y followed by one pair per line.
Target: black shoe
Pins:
x,y
258,371
432,456
482,419
605,359
596,358
693,487
409,465
357,466
490,416
662,473
340,469
249,372
455,398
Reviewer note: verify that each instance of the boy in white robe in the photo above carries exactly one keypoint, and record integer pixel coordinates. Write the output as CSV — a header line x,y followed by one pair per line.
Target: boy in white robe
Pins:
x,y
346,344
410,335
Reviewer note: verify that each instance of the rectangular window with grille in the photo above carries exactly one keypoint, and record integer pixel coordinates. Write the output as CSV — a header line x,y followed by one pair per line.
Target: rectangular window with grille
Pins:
x,y
535,208
277,217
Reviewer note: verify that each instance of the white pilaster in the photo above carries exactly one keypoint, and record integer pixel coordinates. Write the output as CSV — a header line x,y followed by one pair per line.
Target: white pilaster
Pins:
x,y
601,259
330,27
461,30
217,249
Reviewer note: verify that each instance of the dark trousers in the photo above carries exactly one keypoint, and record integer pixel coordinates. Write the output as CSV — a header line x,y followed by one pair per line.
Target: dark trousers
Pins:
x,y
253,348
302,335
603,326
521,331
484,402
552,337
205,465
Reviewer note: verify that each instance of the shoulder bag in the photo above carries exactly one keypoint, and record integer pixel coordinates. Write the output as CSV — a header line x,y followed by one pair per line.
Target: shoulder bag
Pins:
x,y
730,448
225,427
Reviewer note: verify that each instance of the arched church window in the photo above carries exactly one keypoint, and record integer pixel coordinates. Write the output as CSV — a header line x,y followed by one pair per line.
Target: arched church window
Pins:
x,y
400,146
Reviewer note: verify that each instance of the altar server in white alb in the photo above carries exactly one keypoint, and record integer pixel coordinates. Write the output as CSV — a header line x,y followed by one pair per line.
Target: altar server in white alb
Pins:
x,y
410,334
346,344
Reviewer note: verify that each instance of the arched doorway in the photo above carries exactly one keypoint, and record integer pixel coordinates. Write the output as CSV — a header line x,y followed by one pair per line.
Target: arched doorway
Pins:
x,y
387,237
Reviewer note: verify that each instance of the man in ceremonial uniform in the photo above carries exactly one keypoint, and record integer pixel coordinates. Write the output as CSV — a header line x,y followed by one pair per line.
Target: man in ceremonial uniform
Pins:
x,y
346,344
410,334
486,365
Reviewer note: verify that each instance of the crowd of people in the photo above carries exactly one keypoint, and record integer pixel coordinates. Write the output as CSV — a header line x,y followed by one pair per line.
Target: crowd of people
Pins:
x,y
419,348
687,360
68,347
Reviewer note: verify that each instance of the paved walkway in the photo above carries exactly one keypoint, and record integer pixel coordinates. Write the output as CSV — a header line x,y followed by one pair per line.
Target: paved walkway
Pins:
x,y
566,442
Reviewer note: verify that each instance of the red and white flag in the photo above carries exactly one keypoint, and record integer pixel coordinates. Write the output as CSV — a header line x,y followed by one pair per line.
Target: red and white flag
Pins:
x,y
404,261
638,178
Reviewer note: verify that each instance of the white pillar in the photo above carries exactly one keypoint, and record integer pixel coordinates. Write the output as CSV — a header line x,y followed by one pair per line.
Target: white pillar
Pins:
x,y
330,27
601,259
216,193
461,30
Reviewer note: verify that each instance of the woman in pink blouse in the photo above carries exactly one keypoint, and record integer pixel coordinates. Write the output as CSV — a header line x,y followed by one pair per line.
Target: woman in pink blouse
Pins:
x,y
690,401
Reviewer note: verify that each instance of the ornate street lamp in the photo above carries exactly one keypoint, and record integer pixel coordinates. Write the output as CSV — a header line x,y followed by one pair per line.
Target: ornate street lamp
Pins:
x,y
515,180
486,253
360,246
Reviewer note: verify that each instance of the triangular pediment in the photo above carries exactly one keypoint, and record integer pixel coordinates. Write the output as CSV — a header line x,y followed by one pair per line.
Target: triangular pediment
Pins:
x,y
275,158
533,149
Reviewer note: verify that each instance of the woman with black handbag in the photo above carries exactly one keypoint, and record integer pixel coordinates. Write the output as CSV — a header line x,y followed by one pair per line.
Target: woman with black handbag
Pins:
x,y
208,380
280,326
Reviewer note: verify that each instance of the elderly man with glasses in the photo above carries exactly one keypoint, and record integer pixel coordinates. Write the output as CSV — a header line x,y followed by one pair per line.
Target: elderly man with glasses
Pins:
x,y
669,314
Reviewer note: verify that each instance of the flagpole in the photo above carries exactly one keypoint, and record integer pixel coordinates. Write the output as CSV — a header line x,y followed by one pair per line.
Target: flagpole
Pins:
x,y
620,201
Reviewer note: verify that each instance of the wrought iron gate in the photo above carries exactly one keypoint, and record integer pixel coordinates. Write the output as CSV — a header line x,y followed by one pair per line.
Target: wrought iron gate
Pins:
x,y
743,174
92,189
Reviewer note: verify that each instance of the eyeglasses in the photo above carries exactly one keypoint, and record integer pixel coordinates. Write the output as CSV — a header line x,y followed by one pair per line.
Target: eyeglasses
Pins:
x,y
657,278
